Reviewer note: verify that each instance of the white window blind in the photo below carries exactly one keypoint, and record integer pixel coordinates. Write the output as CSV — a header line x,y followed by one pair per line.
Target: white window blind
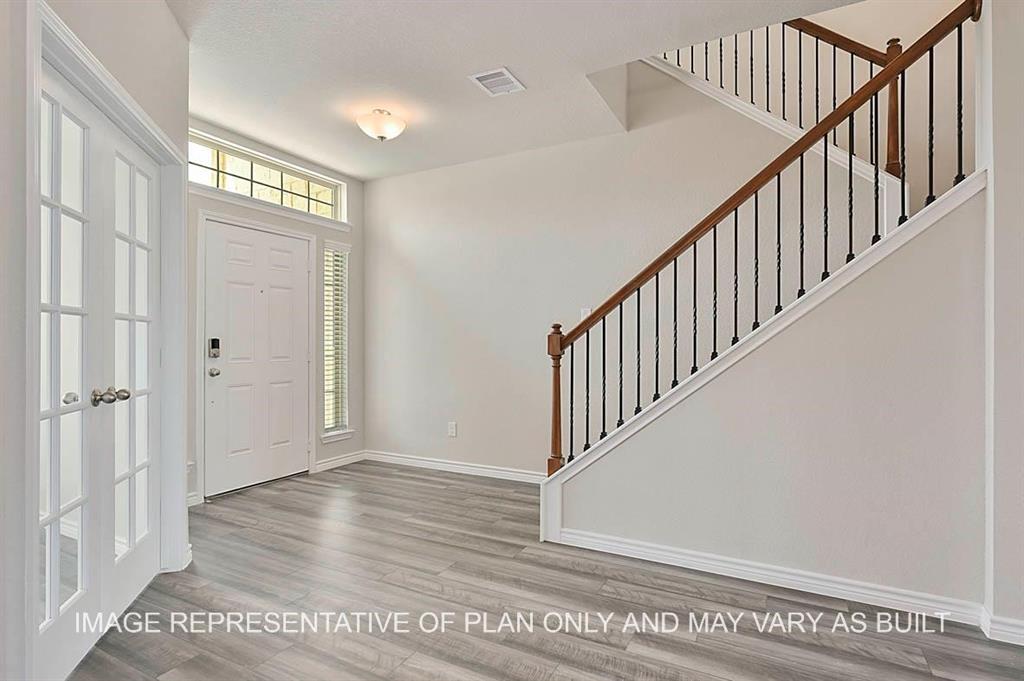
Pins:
x,y
335,340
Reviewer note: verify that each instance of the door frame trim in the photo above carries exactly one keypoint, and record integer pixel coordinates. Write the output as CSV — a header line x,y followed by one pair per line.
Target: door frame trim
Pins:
x,y
205,217
49,38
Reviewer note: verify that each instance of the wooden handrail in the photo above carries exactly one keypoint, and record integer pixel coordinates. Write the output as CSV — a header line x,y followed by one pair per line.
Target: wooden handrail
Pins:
x,y
969,9
841,41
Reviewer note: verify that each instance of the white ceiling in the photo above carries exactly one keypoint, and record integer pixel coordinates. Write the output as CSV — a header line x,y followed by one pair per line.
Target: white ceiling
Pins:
x,y
294,74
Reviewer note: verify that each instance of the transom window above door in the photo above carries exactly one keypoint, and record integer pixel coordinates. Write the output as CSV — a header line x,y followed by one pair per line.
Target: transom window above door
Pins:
x,y
216,164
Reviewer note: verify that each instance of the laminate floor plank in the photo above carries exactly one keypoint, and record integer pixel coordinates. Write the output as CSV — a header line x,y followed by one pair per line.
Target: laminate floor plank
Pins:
x,y
377,539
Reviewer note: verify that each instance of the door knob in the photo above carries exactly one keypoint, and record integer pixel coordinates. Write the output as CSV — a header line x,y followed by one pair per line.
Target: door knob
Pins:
x,y
123,394
214,372
108,396
69,398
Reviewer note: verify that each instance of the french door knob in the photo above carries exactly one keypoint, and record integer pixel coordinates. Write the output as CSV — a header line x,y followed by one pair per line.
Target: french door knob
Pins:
x,y
69,398
108,396
123,394
214,372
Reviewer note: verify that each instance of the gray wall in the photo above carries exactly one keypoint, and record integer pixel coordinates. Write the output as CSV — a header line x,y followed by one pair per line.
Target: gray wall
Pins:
x,y
802,454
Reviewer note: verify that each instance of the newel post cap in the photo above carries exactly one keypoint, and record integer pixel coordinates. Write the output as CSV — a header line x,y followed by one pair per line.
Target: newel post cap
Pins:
x,y
555,341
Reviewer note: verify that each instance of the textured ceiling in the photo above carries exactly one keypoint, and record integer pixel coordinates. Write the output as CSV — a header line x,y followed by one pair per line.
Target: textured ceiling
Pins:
x,y
294,74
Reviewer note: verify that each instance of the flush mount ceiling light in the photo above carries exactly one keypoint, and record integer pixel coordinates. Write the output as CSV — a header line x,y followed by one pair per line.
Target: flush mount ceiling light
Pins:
x,y
381,124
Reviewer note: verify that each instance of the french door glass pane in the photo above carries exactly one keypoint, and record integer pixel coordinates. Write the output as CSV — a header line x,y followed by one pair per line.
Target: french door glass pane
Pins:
x,y
121,542
141,207
44,467
70,261
141,429
45,253
71,529
141,503
43,574
70,456
141,355
141,281
122,358
72,169
46,148
122,197
122,272
70,355
45,398
121,437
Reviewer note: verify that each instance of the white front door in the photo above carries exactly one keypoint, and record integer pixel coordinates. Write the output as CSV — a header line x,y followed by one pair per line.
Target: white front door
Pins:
x,y
257,357
98,504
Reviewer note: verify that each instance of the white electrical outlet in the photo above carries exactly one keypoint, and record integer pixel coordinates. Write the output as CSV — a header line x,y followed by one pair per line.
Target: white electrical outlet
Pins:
x,y
453,429
584,313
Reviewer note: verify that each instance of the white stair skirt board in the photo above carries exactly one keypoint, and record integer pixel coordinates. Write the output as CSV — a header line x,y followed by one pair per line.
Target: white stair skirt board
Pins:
x,y
551,529
499,472
889,184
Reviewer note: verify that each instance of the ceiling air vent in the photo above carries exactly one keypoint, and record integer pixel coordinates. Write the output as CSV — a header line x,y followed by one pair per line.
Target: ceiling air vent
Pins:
x,y
497,82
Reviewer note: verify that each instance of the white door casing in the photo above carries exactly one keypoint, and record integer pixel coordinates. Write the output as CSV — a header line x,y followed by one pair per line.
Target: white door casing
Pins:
x,y
98,541
256,393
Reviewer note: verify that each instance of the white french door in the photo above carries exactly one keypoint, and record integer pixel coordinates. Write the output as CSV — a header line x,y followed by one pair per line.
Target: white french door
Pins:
x,y
98,487
257,311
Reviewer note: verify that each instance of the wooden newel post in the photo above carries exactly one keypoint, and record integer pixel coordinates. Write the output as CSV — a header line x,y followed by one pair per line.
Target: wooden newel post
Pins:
x,y
892,150
555,461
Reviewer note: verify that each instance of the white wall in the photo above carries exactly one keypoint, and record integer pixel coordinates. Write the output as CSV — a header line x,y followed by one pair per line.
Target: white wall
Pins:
x,y
801,455
143,47
355,238
468,266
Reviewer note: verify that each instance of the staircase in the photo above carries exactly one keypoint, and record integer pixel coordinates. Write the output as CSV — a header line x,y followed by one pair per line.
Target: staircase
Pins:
x,y
811,212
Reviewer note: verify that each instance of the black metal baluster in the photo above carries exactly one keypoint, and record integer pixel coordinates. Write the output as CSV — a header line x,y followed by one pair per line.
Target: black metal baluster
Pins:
x,y
767,74
824,209
604,380
751,66
778,243
691,59
735,64
959,105
657,334
637,410
679,58
800,78
620,421
903,148
783,59
586,443
876,237
800,291
757,263
736,275
693,369
706,63
675,322
817,89
714,292
572,398
834,89
931,127
849,202
721,73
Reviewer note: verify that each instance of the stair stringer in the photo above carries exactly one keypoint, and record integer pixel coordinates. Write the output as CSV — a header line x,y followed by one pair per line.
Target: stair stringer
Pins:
x,y
551,526
889,185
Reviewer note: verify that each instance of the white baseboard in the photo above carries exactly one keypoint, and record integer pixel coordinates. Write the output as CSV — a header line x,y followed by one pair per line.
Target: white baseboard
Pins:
x,y
335,461
1003,629
499,472
193,498
825,585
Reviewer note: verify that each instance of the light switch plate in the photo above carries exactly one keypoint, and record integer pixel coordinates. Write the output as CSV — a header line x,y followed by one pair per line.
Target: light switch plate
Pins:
x,y
453,429
585,312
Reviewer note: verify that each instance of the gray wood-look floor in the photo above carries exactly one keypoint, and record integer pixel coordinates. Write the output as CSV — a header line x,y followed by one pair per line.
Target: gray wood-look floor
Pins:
x,y
376,537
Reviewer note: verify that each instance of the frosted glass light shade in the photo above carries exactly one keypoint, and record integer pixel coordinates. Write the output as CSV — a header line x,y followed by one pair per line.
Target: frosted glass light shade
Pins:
x,y
381,124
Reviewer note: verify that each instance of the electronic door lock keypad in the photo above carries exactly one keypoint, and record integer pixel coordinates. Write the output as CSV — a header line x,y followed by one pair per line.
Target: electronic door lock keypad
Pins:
x,y
214,348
